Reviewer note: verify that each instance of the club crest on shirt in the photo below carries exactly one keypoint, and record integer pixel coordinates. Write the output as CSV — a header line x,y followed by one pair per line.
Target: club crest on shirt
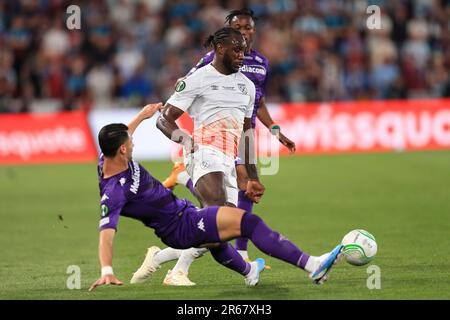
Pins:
x,y
204,164
243,88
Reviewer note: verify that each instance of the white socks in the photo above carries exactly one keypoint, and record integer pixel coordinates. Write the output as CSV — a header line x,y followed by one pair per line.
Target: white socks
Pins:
x,y
244,254
166,255
187,257
314,262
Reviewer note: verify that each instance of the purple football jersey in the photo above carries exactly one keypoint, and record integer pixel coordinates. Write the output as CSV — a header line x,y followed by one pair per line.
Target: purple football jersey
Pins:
x,y
136,194
255,67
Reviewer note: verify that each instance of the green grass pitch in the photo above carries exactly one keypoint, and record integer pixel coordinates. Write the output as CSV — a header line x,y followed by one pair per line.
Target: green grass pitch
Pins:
x,y
402,198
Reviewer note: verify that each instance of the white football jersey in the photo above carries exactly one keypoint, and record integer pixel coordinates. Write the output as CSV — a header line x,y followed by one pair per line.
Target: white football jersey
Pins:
x,y
218,104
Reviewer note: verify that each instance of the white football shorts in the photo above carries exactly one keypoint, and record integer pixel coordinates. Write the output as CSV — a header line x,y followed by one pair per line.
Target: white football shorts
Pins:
x,y
206,160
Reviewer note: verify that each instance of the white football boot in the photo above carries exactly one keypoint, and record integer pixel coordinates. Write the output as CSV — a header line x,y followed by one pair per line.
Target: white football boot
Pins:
x,y
178,278
257,266
148,267
327,261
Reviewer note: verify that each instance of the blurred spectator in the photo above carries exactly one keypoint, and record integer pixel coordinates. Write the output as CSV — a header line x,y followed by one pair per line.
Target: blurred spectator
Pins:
x,y
137,88
380,45
100,82
128,57
331,86
416,46
55,42
54,79
355,81
212,14
129,52
177,34
121,12
19,41
76,78
8,80
383,77
438,77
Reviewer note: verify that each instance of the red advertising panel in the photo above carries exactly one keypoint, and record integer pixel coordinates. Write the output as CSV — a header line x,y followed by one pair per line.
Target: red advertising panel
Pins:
x,y
45,138
363,126
366,126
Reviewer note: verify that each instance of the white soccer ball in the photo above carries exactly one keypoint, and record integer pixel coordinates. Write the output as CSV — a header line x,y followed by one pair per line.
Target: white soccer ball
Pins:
x,y
360,247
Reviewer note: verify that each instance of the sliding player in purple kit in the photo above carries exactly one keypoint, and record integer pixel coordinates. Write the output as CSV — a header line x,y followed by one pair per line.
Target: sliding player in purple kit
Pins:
x,y
128,189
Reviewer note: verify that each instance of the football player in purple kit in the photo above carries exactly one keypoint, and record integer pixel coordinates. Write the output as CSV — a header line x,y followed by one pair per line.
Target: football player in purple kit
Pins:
x,y
128,189
255,68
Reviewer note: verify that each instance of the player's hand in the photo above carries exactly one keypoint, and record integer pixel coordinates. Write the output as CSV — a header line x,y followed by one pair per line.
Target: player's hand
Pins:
x,y
106,280
149,110
287,143
255,190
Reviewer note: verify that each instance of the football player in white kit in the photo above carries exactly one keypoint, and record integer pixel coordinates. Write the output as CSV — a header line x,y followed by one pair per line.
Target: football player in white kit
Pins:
x,y
220,100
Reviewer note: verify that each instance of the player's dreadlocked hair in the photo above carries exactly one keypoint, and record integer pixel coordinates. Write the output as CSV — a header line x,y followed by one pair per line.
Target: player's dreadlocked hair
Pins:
x,y
221,36
111,137
240,12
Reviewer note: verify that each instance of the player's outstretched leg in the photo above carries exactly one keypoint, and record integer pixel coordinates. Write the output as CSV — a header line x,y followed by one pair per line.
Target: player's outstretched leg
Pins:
x,y
228,256
178,276
275,245
233,223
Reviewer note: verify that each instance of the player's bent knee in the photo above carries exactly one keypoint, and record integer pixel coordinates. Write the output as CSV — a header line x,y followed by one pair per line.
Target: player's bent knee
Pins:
x,y
249,222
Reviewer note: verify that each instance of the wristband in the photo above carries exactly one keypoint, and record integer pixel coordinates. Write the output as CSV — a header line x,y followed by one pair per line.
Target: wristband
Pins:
x,y
275,129
107,270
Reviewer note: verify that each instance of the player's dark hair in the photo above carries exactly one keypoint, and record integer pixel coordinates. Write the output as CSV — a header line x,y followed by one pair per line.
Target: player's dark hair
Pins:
x,y
240,12
111,137
221,36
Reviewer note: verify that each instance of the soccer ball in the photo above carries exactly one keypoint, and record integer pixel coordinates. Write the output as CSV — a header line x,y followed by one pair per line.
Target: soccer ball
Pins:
x,y
360,247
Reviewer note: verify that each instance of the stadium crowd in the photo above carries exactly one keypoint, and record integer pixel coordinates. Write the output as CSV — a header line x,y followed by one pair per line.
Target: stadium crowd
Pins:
x,y
128,52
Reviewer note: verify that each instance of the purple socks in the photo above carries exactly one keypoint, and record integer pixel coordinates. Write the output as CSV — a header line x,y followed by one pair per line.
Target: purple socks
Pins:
x,y
226,255
245,204
270,242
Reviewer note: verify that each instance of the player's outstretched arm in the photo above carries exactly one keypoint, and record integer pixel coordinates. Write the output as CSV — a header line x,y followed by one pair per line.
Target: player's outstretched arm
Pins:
x,y
105,253
264,116
146,112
